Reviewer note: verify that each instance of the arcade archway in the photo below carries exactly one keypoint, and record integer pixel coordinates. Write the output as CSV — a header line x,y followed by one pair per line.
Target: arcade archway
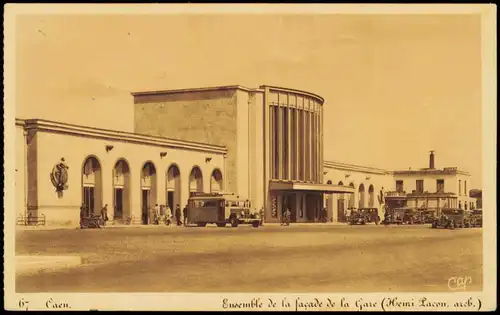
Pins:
x,y
91,186
216,183
121,190
195,180
371,197
148,191
173,187
361,191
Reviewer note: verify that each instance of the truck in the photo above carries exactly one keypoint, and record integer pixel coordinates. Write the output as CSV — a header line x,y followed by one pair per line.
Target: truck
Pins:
x,y
220,209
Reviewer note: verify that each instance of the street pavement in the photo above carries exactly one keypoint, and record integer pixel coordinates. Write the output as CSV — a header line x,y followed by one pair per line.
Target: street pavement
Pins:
x,y
312,258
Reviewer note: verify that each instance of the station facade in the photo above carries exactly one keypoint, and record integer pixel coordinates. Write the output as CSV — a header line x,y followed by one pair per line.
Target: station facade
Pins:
x,y
264,145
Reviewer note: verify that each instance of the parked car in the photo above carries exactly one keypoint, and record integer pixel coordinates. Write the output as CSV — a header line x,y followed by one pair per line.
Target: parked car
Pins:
x,y
357,217
476,219
451,218
429,215
405,215
413,216
370,215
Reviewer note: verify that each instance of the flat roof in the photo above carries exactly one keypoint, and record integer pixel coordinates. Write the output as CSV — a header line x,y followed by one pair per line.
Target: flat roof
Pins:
x,y
114,135
201,89
228,87
303,186
428,171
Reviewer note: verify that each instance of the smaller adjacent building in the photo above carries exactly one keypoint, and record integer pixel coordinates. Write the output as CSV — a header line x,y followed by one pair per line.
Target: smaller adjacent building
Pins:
x,y
477,195
431,188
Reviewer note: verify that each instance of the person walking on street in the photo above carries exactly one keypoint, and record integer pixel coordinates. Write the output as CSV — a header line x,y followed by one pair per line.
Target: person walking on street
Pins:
x,y
168,216
261,213
82,214
286,217
324,215
104,214
156,213
185,214
178,215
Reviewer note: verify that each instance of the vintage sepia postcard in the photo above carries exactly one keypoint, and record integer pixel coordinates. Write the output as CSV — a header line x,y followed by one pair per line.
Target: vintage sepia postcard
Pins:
x,y
250,157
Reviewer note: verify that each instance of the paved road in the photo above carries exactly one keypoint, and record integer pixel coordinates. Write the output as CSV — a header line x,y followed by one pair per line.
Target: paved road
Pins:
x,y
268,259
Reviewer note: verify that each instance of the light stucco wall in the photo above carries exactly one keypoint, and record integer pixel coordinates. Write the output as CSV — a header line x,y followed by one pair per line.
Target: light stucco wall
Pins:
x,y
451,184
21,173
250,147
51,147
357,178
256,149
204,116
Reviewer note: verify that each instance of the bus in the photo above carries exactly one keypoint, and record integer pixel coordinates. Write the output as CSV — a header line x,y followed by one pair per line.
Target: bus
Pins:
x,y
221,209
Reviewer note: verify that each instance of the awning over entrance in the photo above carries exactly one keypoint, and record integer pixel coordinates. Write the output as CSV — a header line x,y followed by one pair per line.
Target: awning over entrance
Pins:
x,y
301,186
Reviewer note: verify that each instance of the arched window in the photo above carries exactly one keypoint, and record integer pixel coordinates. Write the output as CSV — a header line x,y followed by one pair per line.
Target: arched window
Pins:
x,y
91,186
216,183
195,180
361,196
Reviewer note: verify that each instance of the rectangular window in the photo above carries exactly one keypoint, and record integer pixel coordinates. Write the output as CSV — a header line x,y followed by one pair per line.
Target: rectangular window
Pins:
x,y
294,143
284,147
399,186
307,134
302,154
420,186
440,185
276,142
459,187
465,187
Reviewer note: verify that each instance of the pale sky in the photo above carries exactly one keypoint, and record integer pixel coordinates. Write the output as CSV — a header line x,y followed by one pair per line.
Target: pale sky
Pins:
x,y
395,86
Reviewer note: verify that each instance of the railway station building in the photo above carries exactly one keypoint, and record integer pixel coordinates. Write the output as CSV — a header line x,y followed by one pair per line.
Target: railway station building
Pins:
x,y
263,144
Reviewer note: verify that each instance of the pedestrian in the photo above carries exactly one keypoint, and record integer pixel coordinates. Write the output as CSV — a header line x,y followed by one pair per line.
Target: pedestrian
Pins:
x,y
261,213
104,214
156,213
288,214
168,216
82,215
185,214
325,215
178,215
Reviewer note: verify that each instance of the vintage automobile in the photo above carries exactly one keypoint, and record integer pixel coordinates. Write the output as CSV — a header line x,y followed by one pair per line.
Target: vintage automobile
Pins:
x,y
370,214
413,216
429,215
451,218
476,219
405,215
206,208
357,217
364,215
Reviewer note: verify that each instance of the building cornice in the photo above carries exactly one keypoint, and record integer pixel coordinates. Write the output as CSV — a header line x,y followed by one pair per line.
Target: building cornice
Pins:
x,y
194,90
283,89
113,135
431,172
373,170
20,122
355,168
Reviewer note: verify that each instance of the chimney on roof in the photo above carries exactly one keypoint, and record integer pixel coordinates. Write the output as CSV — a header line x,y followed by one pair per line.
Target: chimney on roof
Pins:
x,y
431,160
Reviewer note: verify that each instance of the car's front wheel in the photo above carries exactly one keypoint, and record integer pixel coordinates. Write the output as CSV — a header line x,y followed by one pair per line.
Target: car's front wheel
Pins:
x,y
234,221
452,225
